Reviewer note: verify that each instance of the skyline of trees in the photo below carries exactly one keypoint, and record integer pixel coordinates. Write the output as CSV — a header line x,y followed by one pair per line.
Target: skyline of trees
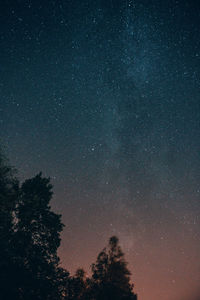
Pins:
x,y
29,239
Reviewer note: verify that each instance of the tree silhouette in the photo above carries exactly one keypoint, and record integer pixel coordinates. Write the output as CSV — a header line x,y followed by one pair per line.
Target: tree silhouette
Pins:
x,y
29,240
8,198
37,239
77,286
110,275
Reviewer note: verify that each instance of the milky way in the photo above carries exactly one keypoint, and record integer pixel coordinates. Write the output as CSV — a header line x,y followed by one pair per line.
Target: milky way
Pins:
x,y
103,97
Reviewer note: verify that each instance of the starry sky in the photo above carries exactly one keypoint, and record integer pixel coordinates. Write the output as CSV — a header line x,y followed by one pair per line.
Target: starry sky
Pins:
x,y
103,96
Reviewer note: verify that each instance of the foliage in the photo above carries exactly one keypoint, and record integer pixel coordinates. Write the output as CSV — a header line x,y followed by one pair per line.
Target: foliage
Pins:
x,y
9,188
29,237
29,240
110,275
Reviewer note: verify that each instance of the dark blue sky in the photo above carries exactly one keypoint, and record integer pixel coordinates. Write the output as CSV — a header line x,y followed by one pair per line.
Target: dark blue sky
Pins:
x,y
103,96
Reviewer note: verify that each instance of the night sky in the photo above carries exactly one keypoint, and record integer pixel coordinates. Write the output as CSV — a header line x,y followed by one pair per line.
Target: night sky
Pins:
x,y
103,96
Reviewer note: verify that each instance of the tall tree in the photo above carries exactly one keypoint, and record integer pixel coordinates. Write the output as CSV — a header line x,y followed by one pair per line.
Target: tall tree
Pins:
x,y
37,240
9,188
110,275
29,239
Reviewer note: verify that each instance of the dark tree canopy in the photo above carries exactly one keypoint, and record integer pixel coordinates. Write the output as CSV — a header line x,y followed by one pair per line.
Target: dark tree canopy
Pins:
x,y
110,275
29,240
9,188
38,236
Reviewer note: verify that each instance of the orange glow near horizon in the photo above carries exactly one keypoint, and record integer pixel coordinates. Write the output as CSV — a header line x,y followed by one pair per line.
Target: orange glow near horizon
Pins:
x,y
163,259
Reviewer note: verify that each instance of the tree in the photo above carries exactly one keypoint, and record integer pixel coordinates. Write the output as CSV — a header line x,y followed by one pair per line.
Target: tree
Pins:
x,y
29,239
77,286
37,238
9,189
110,275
